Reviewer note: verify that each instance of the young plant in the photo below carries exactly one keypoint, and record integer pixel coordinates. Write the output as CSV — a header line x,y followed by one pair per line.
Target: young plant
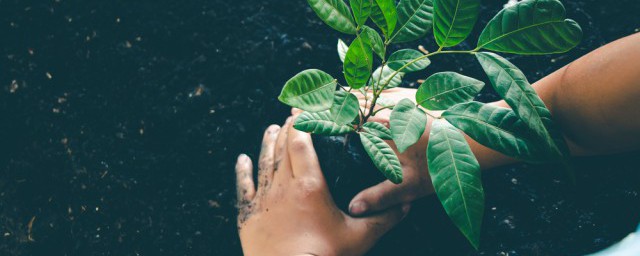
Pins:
x,y
526,131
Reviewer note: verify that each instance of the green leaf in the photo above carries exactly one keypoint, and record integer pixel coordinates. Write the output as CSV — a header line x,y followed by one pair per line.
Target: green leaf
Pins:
x,y
399,59
320,123
453,20
377,129
358,63
407,124
361,10
497,128
445,89
383,157
373,39
512,85
386,77
455,174
385,102
310,90
384,15
334,13
345,108
342,49
415,19
531,27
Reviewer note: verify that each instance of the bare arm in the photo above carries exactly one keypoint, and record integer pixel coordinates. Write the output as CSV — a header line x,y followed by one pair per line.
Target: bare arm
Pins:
x,y
595,100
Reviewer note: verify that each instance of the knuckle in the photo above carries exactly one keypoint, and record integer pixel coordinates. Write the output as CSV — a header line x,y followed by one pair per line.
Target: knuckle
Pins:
x,y
309,186
299,144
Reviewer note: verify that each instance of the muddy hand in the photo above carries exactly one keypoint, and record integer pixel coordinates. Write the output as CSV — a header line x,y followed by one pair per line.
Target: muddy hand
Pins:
x,y
291,212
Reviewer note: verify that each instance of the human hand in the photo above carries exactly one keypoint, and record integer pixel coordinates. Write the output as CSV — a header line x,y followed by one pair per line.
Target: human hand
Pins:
x,y
292,212
416,180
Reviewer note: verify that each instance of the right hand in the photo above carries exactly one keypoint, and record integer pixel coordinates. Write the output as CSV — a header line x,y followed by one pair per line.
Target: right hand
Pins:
x,y
416,180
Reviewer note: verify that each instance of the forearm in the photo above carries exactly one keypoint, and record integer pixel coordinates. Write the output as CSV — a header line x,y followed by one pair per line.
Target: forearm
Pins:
x,y
594,100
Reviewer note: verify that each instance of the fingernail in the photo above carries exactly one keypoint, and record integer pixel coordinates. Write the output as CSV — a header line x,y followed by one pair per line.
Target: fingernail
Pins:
x,y
358,208
242,158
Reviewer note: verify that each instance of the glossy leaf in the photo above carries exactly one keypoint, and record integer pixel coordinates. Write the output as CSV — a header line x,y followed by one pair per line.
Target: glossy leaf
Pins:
x,y
386,76
407,124
453,20
373,39
531,27
383,157
334,13
345,108
310,90
320,123
512,85
384,15
399,59
361,10
357,64
455,174
497,128
445,89
415,19
377,129
342,49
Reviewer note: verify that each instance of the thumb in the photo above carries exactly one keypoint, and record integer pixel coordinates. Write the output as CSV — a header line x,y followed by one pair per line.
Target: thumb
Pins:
x,y
378,198
370,229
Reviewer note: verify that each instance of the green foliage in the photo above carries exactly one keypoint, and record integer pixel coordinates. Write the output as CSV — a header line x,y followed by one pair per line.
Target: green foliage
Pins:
x,y
342,49
345,108
383,157
378,129
454,20
361,10
531,27
407,124
445,89
334,13
310,90
526,131
358,63
385,16
388,77
320,123
497,128
455,174
399,59
512,85
414,20
374,40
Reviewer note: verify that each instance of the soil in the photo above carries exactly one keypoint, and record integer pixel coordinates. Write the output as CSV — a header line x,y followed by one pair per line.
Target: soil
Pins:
x,y
120,122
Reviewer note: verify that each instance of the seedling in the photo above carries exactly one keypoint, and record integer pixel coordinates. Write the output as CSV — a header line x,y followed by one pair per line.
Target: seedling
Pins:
x,y
525,131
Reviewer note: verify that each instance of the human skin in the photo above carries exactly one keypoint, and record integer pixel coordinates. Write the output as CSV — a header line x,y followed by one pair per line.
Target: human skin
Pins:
x,y
291,212
595,101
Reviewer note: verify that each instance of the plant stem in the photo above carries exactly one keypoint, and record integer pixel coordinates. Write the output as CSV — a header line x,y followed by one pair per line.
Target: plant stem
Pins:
x,y
434,117
383,108
376,93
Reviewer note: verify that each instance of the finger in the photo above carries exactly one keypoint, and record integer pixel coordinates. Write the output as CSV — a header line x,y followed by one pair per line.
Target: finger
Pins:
x,y
382,196
245,188
304,161
282,164
372,228
295,111
266,162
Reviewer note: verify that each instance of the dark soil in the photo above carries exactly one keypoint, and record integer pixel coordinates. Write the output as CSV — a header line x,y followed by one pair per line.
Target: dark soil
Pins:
x,y
120,122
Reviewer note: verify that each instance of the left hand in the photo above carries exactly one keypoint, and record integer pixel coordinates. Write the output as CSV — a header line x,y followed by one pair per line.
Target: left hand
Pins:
x,y
292,212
